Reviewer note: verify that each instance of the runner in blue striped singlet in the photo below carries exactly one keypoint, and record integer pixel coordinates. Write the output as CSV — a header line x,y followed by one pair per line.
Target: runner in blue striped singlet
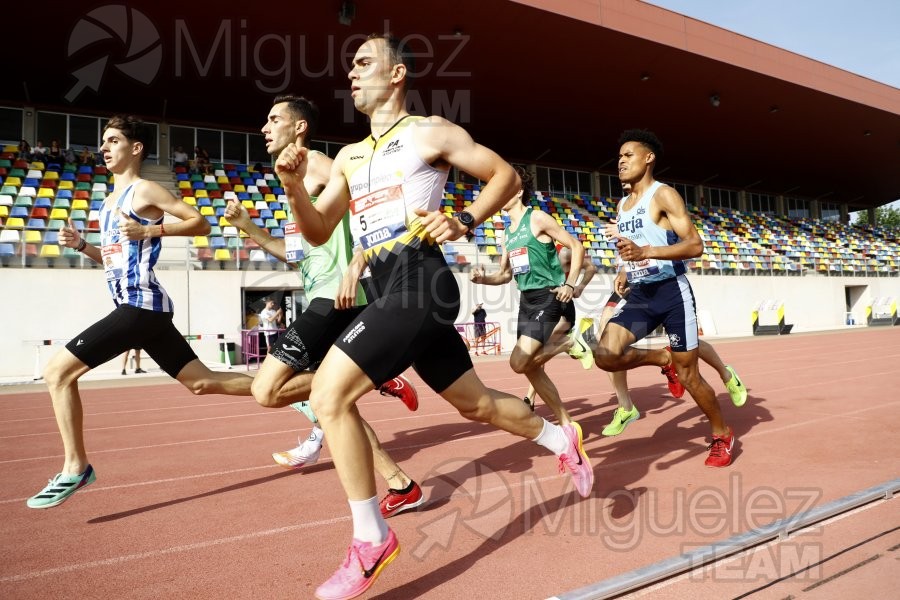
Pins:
x,y
131,228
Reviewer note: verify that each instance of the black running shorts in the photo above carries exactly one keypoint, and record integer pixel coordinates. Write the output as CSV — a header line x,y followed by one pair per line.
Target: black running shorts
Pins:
x,y
129,327
539,312
307,340
411,323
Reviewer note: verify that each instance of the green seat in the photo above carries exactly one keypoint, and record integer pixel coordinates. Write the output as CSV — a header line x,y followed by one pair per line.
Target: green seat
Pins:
x,y
78,215
271,223
24,201
56,224
93,238
82,186
5,163
10,190
219,203
16,173
235,242
71,253
196,177
98,196
256,196
215,231
61,203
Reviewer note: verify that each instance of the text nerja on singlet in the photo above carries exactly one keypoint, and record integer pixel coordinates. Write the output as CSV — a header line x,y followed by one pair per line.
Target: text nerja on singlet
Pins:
x,y
631,225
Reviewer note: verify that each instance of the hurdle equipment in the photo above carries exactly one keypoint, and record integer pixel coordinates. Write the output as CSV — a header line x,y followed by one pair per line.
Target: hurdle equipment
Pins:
x,y
882,311
768,319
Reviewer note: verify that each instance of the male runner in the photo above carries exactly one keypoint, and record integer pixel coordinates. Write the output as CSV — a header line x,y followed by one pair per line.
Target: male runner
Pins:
x,y
286,374
392,182
654,234
627,412
529,256
131,230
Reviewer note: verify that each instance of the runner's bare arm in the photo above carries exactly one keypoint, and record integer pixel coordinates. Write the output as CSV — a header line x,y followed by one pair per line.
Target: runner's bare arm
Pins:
x,y
689,245
237,215
547,225
440,141
150,194
318,221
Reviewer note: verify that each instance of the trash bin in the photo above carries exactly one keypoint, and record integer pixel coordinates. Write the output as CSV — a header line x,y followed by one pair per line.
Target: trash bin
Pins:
x,y
232,353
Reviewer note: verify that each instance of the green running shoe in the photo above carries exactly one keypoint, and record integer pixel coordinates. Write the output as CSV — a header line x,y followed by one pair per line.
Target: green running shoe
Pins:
x,y
60,488
736,388
621,419
580,349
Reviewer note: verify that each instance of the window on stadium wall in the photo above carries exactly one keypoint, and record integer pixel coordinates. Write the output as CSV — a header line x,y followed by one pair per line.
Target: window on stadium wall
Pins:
x,y
830,212
77,131
563,181
722,198
686,191
797,208
11,125
762,203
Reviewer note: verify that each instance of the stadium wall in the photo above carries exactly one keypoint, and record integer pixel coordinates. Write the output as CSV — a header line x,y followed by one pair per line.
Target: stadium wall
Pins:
x,y
59,303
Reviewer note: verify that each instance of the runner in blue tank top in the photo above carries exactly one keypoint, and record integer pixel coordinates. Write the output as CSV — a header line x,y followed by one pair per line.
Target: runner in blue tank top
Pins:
x,y
131,228
654,234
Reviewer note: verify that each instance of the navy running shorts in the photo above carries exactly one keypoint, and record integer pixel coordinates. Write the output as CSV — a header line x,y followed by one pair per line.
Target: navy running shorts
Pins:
x,y
669,303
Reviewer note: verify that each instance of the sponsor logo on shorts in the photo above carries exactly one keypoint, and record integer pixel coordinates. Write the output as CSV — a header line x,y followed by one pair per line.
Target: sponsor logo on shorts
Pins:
x,y
674,339
357,329
79,342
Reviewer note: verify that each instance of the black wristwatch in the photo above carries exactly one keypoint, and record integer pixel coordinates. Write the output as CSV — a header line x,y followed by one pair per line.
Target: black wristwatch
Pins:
x,y
466,219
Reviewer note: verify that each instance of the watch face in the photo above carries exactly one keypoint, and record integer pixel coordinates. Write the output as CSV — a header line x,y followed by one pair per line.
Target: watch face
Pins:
x,y
466,219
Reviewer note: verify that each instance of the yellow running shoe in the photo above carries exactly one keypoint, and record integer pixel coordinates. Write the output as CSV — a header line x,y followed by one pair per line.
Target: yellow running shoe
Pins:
x,y
621,419
580,349
736,388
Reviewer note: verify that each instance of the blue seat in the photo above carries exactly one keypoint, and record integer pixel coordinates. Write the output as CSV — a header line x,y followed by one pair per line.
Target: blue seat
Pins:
x,y
96,204
220,212
85,169
204,202
67,176
258,222
64,194
275,206
19,211
277,190
51,237
7,250
32,182
212,220
243,196
265,214
36,224
198,185
277,233
42,203
217,242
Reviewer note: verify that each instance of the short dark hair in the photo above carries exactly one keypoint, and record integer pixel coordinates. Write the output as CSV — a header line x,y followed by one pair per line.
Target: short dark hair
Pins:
x,y
301,108
399,53
132,128
527,184
645,138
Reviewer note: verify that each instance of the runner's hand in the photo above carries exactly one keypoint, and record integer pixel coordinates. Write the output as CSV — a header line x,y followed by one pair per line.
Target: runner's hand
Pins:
x,y
440,227
630,251
69,235
236,214
611,231
130,229
477,274
620,285
291,165
563,293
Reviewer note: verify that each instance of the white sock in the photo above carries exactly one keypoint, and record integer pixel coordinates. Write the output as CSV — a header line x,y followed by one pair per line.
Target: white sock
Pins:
x,y
552,438
316,435
368,524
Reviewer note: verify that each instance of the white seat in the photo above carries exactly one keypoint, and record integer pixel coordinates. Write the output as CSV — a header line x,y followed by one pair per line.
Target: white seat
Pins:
x,y
257,255
27,191
99,187
6,200
9,236
230,231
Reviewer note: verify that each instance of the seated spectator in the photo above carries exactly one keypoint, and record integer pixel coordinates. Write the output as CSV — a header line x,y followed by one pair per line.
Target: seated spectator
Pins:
x,y
24,150
86,157
201,160
69,155
39,152
55,153
180,157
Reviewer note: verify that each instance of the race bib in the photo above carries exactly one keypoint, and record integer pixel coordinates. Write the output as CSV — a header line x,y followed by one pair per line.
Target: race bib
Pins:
x,y
518,260
113,261
293,243
378,217
637,270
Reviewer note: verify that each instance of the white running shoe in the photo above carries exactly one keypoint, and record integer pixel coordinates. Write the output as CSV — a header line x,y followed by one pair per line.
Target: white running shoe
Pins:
x,y
307,453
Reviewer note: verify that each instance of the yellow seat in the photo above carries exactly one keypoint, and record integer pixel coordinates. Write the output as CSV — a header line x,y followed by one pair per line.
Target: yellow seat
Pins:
x,y
248,204
59,213
52,175
46,193
32,237
239,188
222,254
223,222
279,214
15,223
184,185
14,181
66,185
80,204
201,241
201,194
207,211
492,251
190,200
50,251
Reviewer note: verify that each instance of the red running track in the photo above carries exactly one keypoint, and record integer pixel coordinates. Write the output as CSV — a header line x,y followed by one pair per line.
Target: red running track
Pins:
x,y
188,503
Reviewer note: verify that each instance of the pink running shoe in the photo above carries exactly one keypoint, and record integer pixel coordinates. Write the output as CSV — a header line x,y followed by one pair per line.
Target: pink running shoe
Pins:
x,y
576,460
360,569
401,387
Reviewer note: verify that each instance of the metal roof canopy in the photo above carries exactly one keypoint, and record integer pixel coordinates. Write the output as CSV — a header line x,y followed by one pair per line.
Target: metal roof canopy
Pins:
x,y
549,81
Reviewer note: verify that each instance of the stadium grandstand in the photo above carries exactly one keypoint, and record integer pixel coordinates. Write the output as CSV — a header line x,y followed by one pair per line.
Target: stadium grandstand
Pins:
x,y
771,151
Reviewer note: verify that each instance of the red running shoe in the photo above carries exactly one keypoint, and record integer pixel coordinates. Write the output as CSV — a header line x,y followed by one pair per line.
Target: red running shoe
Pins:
x,y
396,501
675,387
720,450
401,387
360,569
